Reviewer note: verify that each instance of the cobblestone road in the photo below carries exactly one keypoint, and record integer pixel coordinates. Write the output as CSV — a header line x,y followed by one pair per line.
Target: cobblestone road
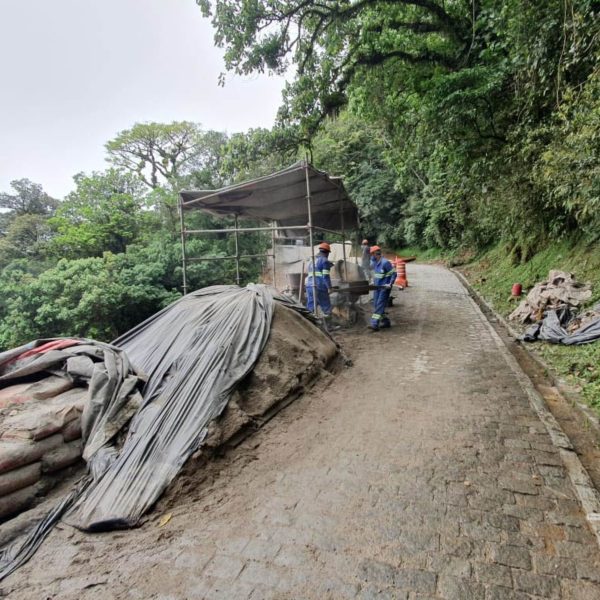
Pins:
x,y
421,472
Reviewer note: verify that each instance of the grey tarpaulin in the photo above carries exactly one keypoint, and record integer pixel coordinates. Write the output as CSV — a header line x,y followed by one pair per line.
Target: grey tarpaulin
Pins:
x,y
281,197
193,352
113,398
552,329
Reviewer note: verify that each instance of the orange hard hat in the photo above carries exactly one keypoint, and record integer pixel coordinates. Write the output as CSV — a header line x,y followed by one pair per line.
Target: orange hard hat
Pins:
x,y
375,249
365,242
325,246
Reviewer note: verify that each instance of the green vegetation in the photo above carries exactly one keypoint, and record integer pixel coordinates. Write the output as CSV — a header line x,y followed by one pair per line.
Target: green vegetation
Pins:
x,y
493,274
484,114
108,255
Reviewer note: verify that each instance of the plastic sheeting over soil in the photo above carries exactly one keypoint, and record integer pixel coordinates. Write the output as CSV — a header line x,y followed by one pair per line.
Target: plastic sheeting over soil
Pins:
x,y
193,353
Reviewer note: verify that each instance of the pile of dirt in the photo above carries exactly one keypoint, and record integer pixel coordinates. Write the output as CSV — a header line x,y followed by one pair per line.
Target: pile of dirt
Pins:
x,y
559,291
296,356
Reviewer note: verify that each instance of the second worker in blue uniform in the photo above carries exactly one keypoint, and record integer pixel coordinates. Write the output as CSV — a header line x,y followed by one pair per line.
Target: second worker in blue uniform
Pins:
x,y
384,276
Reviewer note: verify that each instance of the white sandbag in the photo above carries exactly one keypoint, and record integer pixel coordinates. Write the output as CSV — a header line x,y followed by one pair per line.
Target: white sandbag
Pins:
x,y
62,457
17,453
18,479
72,430
39,390
42,419
19,500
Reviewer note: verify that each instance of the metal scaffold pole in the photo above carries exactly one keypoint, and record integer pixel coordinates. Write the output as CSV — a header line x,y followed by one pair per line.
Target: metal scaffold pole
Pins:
x,y
310,237
183,255
237,252
343,236
273,236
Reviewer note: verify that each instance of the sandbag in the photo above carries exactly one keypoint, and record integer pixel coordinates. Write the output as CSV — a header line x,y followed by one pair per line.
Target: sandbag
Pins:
x,y
72,430
46,418
17,453
20,478
19,500
62,457
40,390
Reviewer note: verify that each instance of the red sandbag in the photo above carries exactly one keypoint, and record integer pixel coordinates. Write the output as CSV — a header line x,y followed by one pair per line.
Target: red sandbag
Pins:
x,y
62,457
20,478
15,454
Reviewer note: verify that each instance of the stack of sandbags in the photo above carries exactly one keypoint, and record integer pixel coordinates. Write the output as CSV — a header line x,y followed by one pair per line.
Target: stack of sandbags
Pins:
x,y
560,290
40,434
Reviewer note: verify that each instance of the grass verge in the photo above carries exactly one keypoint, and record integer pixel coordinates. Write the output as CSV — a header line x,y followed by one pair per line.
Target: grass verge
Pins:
x,y
492,275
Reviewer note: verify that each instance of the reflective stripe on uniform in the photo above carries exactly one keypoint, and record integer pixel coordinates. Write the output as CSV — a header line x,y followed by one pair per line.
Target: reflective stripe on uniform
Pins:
x,y
379,275
376,316
392,272
325,272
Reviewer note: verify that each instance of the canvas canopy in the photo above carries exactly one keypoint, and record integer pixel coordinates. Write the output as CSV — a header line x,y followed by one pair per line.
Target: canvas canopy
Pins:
x,y
282,197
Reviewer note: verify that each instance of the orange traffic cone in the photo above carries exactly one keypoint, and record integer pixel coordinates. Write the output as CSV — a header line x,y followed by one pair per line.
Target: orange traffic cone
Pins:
x,y
401,279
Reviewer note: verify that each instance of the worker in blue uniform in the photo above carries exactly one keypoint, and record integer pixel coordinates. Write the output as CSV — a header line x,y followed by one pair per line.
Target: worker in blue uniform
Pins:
x,y
384,276
319,281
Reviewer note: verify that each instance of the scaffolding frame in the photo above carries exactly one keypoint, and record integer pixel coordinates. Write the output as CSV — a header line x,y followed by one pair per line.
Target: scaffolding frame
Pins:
x,y
310,228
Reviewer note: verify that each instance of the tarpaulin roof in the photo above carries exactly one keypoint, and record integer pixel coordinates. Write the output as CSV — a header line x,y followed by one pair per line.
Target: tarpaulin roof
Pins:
x,y
281,197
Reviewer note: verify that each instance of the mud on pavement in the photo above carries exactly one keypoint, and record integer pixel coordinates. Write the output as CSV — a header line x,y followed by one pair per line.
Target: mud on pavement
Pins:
x,y
420,472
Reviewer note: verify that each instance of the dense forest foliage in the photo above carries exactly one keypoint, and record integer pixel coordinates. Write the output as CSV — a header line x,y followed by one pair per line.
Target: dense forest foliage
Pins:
x,y
455,124
488,111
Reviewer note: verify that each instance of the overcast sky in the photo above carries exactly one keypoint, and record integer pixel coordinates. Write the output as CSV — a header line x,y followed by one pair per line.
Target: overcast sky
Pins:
x,y
75,72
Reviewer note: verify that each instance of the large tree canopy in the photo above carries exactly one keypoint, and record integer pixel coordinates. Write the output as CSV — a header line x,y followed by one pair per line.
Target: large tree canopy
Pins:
x,y
28,198
166,152
331,42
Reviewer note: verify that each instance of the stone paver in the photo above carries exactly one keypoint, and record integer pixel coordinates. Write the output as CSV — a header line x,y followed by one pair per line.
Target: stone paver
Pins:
x,y
420,472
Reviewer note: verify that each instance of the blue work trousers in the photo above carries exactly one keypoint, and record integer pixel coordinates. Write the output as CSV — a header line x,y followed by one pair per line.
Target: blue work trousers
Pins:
x,y
380,302
322,300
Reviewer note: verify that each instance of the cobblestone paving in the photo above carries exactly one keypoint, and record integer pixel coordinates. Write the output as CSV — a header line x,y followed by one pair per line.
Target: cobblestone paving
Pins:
x,y
421,472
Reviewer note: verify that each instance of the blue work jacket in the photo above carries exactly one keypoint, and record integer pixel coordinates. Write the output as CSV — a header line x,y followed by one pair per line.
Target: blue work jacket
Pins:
x,y
384,272
321,273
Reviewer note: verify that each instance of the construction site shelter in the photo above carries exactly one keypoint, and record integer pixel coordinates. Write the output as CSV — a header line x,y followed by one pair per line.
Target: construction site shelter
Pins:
x,y
295,202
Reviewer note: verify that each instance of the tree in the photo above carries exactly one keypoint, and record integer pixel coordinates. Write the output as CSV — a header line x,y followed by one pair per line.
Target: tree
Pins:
x,y
357,151
27,236
98,297
29,198
105,213
258,152
162,153
471,96
24,229
332,42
